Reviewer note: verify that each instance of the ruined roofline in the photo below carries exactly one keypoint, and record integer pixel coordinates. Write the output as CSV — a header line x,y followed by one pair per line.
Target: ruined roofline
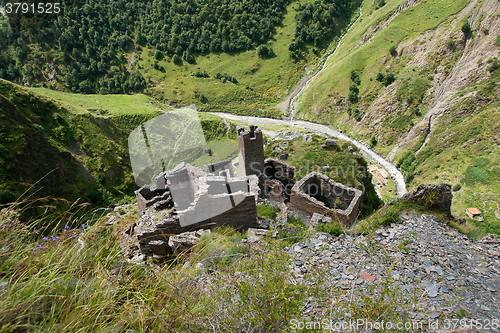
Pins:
x,y
296,189
253,133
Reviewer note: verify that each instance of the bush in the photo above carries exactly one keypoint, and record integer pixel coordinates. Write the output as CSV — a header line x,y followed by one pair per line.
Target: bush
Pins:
x,y
352,96
380,4
6,197
158,55
493,64
334,228
466,29
264,51
450,44
389,78
177,60
391,215
203,99
373,142
380,77
393,51
485,31
457,187
497,42
355,77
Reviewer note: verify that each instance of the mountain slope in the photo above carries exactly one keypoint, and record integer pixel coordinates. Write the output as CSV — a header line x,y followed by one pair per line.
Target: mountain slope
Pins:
x,y
437,114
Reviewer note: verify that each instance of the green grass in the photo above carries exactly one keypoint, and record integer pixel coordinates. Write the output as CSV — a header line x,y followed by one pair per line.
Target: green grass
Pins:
x,y
77,150
107,105
56,284
315,102
457,154
265,211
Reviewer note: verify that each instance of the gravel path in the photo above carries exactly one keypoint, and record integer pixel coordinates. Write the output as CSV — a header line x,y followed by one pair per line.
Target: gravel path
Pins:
x,y
396,175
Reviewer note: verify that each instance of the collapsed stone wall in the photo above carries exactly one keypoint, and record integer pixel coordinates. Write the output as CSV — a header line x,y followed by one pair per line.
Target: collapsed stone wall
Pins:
x,y
278,180
316,193
188,199
221,168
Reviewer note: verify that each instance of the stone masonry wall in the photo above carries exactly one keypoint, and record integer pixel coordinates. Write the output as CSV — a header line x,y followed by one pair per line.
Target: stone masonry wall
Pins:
x,y
305,203
251,151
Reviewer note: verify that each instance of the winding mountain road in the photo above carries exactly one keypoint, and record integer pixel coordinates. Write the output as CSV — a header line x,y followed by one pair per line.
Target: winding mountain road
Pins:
x,y
396,175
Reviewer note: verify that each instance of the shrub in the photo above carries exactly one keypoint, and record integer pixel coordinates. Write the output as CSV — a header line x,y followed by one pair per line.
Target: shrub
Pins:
x,y
158,55
373,142
380,77
203,99
380,4
450,44
466,29
6,197
497,42
177,60
355,77
493,64
393,51
391,215
334,228
264,51
352,96
457,187
485,31
389,78
265,211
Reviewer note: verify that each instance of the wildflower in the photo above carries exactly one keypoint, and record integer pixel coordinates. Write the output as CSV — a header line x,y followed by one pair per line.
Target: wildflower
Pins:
x,y
61,297
54,238
38,246
4,226
66,227
33,252
59,253
74,236
45,239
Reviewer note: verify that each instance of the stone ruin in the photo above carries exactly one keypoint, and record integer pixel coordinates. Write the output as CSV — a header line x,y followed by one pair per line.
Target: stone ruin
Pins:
x,y
316,193
186,200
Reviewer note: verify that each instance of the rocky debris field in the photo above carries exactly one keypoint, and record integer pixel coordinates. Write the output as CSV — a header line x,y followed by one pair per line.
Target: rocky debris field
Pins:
x,y
434,271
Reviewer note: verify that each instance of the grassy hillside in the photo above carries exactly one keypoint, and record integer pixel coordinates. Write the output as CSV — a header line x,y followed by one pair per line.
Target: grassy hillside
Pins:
x,y
76,146
430,60
331,87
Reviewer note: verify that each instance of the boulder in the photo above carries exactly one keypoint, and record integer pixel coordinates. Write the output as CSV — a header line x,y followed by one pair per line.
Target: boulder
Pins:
x,y
284,156
307,139
329,143
183,242
435,196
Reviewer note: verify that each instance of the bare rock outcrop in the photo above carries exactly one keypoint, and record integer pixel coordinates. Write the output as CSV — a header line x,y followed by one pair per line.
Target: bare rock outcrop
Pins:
x,y
434,196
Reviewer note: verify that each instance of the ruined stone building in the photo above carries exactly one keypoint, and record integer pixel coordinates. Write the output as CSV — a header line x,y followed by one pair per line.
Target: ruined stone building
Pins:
x,y
316,193
251,151
187,198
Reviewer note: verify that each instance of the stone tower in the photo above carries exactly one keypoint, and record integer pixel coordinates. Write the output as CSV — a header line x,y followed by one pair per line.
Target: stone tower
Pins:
x,y
251,151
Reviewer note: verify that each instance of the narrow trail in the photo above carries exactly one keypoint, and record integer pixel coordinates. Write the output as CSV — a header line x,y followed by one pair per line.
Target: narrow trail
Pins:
x,y
396,175
131,62
305,82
